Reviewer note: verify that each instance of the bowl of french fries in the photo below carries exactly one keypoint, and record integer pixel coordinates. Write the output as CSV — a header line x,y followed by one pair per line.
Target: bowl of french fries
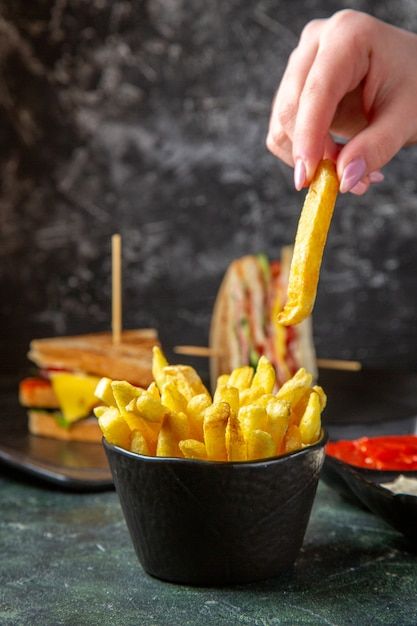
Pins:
x,y
218,489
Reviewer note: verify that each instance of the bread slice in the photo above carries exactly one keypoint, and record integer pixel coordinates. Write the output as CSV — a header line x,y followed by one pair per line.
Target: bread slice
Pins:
x,y
43,424
95,354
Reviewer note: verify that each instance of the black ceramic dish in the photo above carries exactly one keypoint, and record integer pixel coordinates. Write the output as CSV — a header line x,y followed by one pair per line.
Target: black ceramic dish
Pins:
x,y
364,485
70,465
215,523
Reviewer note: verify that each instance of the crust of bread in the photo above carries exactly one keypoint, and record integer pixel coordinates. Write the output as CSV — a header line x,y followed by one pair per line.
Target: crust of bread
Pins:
x,y
220,335
95,354
43,424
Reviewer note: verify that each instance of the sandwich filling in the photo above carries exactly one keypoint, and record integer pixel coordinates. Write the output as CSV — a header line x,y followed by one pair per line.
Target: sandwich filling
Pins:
x,y
256,295
67,397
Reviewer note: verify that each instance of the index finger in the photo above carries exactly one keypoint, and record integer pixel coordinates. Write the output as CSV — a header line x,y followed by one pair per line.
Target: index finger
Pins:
x,y
329,79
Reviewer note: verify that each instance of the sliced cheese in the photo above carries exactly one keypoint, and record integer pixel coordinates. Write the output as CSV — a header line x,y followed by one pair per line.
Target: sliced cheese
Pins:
x,y
75,393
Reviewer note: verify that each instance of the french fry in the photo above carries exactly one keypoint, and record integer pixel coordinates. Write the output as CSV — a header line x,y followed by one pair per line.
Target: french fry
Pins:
x,y
186,379
260,445
292,440
278,412
154,391
100,410
139,444
264,399
241,377
309,245
167,444
195,411
295,388
264,376
149,430
114,428
104,392
322,396
310,423
230,395
149,409
124,393
193,449
252,417
159,363
235,441
222,381
179,425
172,398
251,395
215,421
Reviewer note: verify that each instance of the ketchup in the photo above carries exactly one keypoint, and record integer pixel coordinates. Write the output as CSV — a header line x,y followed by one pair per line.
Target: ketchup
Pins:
x,y
393,452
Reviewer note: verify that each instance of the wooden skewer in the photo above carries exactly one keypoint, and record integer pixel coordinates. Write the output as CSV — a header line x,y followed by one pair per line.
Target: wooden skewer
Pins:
x,y
116,284
329,364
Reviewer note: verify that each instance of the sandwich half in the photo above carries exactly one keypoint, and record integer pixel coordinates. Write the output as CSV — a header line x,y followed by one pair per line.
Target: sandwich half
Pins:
x,y
60,398
244,324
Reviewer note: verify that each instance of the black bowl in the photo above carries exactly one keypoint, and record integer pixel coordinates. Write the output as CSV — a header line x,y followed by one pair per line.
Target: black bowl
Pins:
x,y
364,486
216,523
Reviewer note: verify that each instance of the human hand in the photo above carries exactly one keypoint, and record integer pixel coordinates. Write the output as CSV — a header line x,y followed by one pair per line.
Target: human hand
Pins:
x,y
355,77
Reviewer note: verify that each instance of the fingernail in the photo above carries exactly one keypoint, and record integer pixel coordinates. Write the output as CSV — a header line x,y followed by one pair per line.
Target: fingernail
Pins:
x,y
299,174
359,188
353,172
376,177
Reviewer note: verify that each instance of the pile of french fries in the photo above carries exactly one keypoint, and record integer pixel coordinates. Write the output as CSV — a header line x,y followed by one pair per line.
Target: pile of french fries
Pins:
x,y
246,419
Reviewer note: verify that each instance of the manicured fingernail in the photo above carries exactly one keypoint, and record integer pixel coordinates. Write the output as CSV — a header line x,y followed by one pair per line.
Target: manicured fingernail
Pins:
x,y
353,172
376,177
299,174
359,188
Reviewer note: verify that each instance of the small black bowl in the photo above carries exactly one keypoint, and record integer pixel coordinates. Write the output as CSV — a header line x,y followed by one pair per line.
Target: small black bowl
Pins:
x,y
216,523
364,486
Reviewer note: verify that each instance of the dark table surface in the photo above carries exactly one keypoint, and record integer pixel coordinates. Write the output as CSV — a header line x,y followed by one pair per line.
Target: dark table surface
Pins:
x,y
66,558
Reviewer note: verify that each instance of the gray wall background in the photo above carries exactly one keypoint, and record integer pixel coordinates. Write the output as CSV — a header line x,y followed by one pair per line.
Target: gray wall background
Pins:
x,y
149,118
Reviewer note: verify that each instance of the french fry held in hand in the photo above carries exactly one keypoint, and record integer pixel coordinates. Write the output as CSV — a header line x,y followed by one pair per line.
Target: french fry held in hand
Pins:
x,y
310,240
247,419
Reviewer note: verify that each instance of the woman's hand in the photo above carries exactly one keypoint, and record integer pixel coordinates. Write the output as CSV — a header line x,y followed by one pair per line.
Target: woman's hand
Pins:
x,y
355,77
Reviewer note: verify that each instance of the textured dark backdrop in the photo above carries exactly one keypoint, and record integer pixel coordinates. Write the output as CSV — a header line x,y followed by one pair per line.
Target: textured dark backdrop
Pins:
x,y
149,118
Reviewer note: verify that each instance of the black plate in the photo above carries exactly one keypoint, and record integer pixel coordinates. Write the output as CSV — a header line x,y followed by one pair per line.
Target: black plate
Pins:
x,y
364,486
71,465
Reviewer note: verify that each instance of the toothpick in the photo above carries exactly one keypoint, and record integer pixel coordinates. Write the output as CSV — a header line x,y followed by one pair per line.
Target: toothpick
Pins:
x,y
116,284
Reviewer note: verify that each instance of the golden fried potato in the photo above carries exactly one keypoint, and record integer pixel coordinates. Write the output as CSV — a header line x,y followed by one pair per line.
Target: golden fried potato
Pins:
x,y
241,377
230,395
253,395
278,412
149,409
139,444
235,441
215,422
104,392
159,362
294,389
260,445
167,444
124,393
309,245
154,391
310,423
172,398
195,411
264,376
114,428
186,379
252,417
193,449
292,440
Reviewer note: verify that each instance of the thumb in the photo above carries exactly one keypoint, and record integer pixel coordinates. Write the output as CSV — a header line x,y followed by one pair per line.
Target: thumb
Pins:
x,y
373,147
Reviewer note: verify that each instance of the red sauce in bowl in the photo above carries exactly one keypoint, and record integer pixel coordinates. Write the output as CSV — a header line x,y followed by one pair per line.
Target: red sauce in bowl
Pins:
x,y
393,452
